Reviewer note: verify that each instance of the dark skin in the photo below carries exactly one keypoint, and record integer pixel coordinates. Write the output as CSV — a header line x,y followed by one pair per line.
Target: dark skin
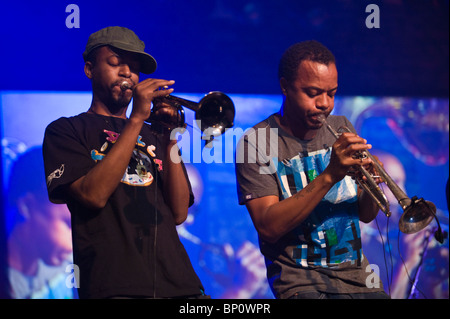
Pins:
x,y
309,94
111,68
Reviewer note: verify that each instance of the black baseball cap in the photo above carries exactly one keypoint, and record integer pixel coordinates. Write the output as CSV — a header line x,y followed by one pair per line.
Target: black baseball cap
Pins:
x,y
123,39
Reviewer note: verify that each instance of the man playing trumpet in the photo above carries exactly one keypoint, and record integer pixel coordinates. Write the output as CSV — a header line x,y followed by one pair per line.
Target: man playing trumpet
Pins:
x,y
123,190
307,209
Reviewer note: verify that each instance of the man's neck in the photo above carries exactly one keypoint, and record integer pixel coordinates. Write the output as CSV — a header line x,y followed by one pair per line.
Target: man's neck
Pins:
x,y
289,124
99,107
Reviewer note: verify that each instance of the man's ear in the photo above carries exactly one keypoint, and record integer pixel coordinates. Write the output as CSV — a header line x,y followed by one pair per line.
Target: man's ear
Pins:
x,y
88,69
283,85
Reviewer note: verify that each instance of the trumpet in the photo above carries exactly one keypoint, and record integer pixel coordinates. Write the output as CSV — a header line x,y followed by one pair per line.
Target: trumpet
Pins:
x,y
417,213
214,113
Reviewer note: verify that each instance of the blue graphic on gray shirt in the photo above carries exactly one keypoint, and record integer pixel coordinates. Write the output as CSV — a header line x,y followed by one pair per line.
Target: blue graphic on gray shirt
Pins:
x,y
331,234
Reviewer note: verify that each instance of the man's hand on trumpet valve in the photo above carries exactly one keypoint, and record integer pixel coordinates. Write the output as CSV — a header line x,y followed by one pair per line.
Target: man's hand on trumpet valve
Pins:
x,y
355,171
164,114
145,92
344,156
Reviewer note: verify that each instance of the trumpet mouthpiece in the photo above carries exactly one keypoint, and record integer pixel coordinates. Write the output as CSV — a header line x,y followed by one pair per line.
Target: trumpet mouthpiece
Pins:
x,y
321,117
125,85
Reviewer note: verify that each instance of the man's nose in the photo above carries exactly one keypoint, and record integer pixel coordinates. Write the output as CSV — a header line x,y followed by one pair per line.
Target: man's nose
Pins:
x,y
125,70
323,101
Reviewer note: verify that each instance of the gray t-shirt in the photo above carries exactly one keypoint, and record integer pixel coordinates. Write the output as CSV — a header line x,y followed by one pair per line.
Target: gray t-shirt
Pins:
x,y
324,252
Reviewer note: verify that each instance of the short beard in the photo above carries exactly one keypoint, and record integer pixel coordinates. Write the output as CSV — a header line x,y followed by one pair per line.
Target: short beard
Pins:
x,y
115,105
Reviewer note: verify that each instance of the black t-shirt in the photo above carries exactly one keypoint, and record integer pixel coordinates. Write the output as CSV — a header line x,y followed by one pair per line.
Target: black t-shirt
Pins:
x,y
131,246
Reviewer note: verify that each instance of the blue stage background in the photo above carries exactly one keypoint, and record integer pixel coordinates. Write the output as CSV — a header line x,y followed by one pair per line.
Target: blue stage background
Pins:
x,y
393,86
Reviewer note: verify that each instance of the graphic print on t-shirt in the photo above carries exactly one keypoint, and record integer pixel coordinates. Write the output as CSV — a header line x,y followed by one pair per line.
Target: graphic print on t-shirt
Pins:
x,y
138,172
331,234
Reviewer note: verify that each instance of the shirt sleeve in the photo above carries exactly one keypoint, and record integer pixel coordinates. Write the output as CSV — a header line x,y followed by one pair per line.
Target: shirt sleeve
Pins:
x,y
255,171
65,158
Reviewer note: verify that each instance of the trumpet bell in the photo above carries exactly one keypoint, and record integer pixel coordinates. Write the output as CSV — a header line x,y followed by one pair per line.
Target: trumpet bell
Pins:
x,y
215,112
416,216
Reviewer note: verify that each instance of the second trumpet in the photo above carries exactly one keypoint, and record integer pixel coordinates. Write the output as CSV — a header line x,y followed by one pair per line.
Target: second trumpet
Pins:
x,y
417,213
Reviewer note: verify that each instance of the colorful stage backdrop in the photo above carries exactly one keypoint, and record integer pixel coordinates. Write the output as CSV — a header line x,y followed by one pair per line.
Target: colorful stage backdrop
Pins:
x,y
411,137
